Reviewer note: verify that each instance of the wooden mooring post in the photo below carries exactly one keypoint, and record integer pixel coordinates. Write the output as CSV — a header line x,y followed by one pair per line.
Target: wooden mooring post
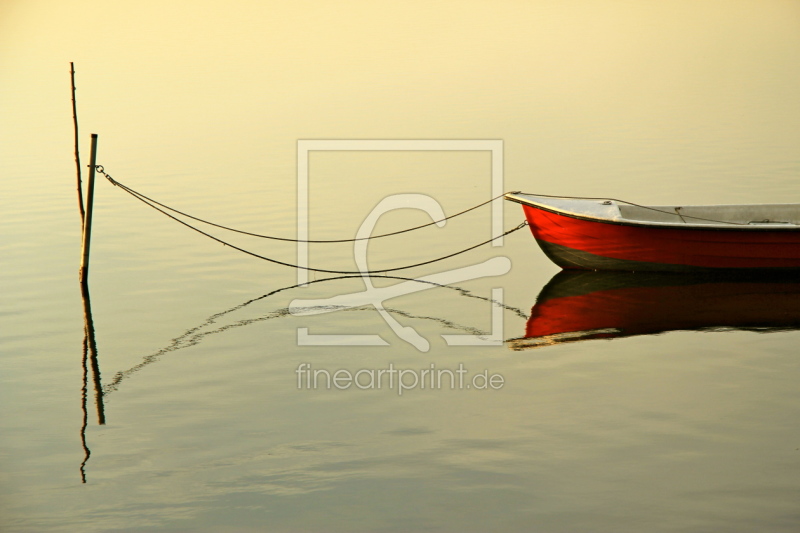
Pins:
x,y
87,221
77,151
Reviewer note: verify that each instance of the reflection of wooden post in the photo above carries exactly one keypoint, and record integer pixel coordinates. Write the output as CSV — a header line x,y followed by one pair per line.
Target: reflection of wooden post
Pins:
x,y
92,345
84,390
87,222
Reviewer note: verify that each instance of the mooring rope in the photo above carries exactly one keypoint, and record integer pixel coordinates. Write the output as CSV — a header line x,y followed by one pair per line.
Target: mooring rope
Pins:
x,y
101,170
152,203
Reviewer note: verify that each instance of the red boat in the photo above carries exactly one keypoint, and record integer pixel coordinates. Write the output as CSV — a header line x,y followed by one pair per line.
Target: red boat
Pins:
x,y
608,234
579,305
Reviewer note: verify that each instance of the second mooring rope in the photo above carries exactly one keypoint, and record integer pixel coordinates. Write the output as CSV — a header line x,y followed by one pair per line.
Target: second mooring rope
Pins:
x,y
155,205
101,170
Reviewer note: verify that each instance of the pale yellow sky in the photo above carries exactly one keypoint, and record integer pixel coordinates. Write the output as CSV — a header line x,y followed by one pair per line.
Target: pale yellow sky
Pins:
x,y
238,76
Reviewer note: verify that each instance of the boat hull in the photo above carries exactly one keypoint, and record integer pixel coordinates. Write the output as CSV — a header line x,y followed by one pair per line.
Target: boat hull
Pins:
x,y
579,243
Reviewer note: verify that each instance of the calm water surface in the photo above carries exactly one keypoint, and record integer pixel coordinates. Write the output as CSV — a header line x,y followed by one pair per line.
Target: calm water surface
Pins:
x,y
687,427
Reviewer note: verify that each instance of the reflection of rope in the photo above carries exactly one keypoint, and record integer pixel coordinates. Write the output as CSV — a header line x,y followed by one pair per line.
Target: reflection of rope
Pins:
x,y
152,204
193,336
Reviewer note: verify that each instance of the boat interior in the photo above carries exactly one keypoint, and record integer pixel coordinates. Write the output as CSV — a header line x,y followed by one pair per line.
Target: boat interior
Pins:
x,y
756,215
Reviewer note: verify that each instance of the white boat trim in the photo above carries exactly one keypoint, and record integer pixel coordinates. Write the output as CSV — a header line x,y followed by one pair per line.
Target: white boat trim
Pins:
x,y
722,216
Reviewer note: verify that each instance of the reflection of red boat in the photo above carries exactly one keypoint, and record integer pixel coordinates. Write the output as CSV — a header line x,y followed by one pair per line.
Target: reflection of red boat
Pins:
x,y
599,234
579,305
